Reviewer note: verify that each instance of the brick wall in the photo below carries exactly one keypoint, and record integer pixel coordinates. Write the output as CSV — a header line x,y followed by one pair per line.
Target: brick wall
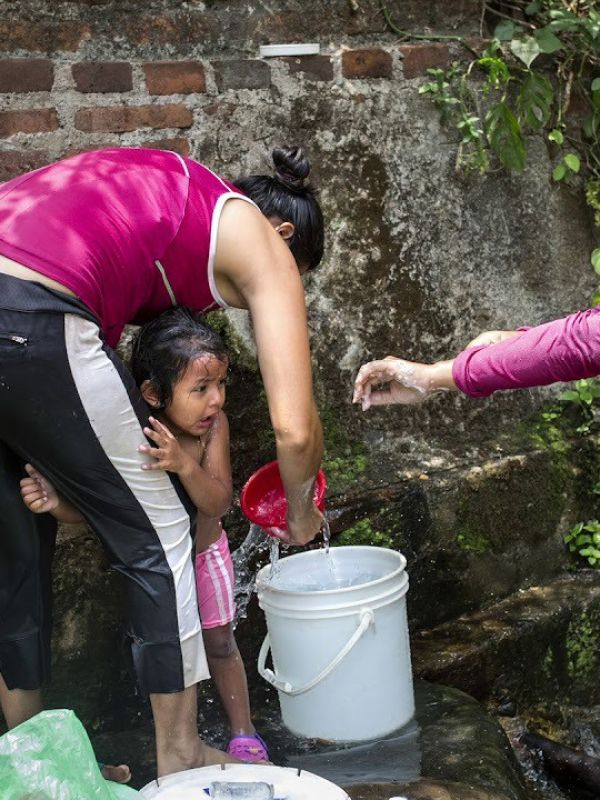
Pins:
x,y
96,73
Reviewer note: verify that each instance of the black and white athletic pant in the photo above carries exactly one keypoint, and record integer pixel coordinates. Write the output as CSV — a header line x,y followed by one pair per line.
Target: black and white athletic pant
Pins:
x,y
69,407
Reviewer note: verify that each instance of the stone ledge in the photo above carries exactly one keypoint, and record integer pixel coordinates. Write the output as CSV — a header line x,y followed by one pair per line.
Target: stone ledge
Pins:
x,y
493,653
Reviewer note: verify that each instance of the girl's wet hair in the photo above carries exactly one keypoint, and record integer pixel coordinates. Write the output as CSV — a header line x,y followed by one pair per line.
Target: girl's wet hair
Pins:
x,y
165,346
288,194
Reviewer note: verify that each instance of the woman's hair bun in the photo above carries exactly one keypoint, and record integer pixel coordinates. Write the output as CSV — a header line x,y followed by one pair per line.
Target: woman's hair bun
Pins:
x,y
291,168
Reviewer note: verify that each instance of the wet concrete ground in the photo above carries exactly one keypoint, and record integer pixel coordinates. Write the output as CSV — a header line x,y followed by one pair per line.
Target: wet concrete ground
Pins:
x,y
453,750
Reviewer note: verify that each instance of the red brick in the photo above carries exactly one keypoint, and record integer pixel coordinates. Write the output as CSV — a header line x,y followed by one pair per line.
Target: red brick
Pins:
x,y
171,28
26,75
315,68
16,162
118,119
242,74
103,76
369,62
418,58
38,120
175,77
42,37
178,145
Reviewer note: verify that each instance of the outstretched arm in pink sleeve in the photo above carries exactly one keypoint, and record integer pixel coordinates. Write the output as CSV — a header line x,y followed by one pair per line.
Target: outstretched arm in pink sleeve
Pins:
x,y
562,350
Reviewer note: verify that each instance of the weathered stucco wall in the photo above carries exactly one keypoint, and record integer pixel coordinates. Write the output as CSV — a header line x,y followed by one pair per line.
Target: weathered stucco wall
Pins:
x,y
419,260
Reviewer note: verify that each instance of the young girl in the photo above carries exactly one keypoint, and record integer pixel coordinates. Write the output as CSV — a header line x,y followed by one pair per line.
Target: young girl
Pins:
x,y
180,365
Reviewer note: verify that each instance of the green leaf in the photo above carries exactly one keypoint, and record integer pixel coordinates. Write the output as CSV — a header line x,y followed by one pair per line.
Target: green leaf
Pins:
x,y
526,49
547,41
563,20
559,172
496,68
591,125
569,396
577,528
535,100
572,161
533,8
505,137
595,259
556,136
505,30
595,85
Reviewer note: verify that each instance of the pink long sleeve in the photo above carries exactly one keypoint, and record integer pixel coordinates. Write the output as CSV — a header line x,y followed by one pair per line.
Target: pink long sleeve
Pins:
x,y
563,350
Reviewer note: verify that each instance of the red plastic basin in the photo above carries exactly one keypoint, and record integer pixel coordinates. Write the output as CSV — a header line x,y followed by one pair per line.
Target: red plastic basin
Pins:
x,y
264,502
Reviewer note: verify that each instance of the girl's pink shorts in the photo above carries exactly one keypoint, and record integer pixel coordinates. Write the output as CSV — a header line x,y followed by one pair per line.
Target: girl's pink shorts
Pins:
x,y
214,584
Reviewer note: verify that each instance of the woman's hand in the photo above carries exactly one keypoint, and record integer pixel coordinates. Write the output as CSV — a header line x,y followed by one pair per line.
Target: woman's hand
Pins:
x,y
393,380
301,529
38,494
397,381
169,454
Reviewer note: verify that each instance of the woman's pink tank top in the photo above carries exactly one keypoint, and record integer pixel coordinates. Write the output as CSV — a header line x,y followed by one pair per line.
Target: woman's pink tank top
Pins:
x,y
130,231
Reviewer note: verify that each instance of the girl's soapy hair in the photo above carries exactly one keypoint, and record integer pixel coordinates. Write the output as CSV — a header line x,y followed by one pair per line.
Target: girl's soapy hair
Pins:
x,y
165,346
287,194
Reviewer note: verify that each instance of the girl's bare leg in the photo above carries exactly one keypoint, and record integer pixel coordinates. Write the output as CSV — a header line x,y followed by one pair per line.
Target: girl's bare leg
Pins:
x,y
227,671
178,745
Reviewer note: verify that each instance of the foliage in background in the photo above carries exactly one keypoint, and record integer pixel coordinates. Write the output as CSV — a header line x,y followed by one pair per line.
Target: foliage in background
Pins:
x,y
584,539
498,97
503,94
362,533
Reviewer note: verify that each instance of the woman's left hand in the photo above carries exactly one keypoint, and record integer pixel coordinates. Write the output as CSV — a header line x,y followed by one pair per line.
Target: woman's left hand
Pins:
x,y
169,454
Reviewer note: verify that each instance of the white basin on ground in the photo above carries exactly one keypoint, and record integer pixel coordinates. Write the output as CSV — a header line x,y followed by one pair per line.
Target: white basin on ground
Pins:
x,y
288,783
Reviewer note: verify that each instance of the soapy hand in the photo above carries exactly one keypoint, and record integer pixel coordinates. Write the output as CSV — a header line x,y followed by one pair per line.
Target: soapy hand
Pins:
x,y
405,382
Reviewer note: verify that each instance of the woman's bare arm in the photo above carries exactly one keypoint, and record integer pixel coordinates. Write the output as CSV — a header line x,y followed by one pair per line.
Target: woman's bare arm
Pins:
x,y
259,267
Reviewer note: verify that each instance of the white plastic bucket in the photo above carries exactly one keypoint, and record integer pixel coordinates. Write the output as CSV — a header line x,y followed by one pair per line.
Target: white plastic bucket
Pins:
x,y
338,634
292,784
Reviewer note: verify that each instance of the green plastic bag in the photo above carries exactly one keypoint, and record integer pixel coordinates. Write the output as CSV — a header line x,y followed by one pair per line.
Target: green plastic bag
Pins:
x,y
50,757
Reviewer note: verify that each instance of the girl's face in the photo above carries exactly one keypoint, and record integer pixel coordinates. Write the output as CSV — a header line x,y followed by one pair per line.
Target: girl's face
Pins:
x,y
198,395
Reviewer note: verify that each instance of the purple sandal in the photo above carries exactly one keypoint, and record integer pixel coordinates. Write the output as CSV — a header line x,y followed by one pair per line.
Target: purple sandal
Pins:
x,y
250,749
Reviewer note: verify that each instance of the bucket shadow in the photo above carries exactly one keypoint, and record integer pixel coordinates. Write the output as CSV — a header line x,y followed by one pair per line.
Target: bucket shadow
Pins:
x,y
395,758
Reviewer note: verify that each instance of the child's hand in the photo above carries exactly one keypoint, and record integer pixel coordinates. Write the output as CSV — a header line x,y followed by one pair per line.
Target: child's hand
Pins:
x,y
169,454
37,492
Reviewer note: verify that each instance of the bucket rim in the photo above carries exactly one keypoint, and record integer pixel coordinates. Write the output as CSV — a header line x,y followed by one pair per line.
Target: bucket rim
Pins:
x,y
260,583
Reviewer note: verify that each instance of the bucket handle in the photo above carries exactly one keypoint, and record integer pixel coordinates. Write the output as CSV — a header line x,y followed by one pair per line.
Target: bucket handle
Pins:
x,y
367,618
